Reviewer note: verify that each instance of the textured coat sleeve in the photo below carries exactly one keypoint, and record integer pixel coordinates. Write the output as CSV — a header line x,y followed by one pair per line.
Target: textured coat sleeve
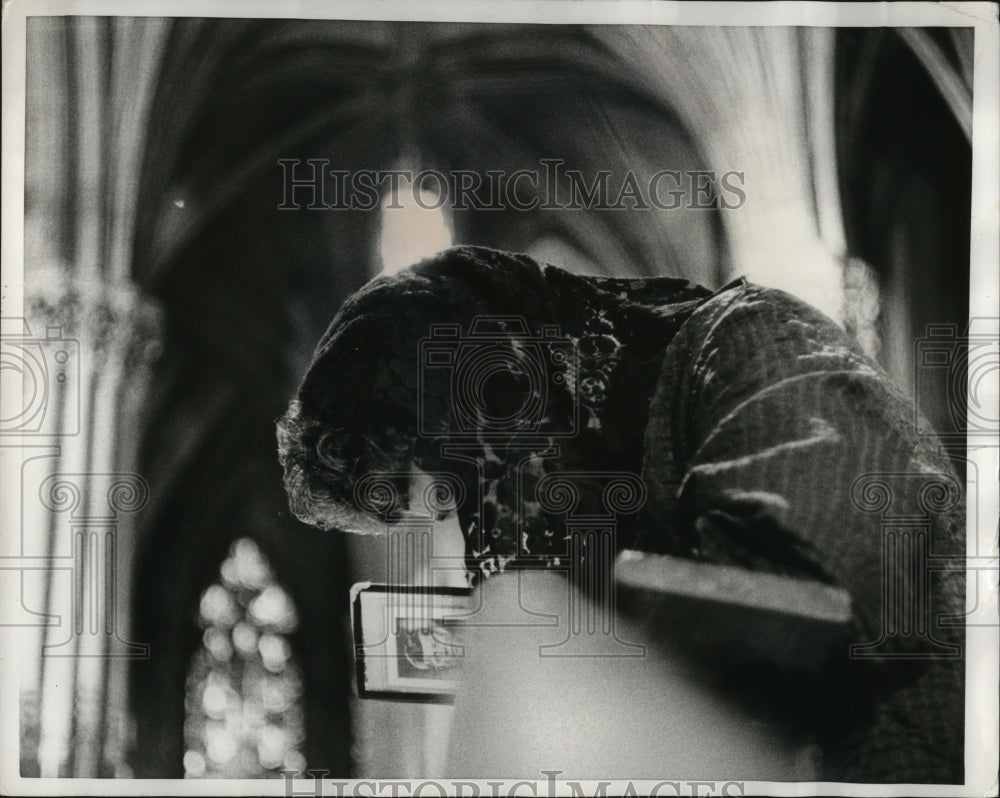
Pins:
x,y
773,443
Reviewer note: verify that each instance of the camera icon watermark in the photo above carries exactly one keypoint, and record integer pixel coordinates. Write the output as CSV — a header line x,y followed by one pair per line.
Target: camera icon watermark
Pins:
x,y
48,368
969,365
500,380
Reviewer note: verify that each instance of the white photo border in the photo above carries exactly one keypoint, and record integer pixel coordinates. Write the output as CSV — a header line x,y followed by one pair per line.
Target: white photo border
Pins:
x,y
983,642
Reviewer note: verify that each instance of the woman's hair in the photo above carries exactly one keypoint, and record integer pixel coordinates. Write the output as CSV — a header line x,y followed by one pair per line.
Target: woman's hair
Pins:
x,y
362,403
369,403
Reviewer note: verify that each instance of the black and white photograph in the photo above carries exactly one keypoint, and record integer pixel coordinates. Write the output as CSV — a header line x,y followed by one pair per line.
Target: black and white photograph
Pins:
x,y
408,640
500,398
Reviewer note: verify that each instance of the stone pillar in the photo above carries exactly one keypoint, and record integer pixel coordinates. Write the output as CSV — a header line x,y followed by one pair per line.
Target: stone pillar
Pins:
x,y
77,349
78,502
759,100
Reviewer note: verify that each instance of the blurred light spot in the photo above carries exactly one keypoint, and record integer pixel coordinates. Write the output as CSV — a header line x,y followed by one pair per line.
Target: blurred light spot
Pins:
x,y
251,569
295,762
194,764
274,608
255,730
413,231
214,701
271,747
245,638
218,606
221,743
230,576
274,650
217,643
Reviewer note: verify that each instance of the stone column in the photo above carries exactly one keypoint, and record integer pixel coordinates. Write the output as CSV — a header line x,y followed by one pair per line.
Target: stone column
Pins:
x,y
78,503
759,100
78,346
